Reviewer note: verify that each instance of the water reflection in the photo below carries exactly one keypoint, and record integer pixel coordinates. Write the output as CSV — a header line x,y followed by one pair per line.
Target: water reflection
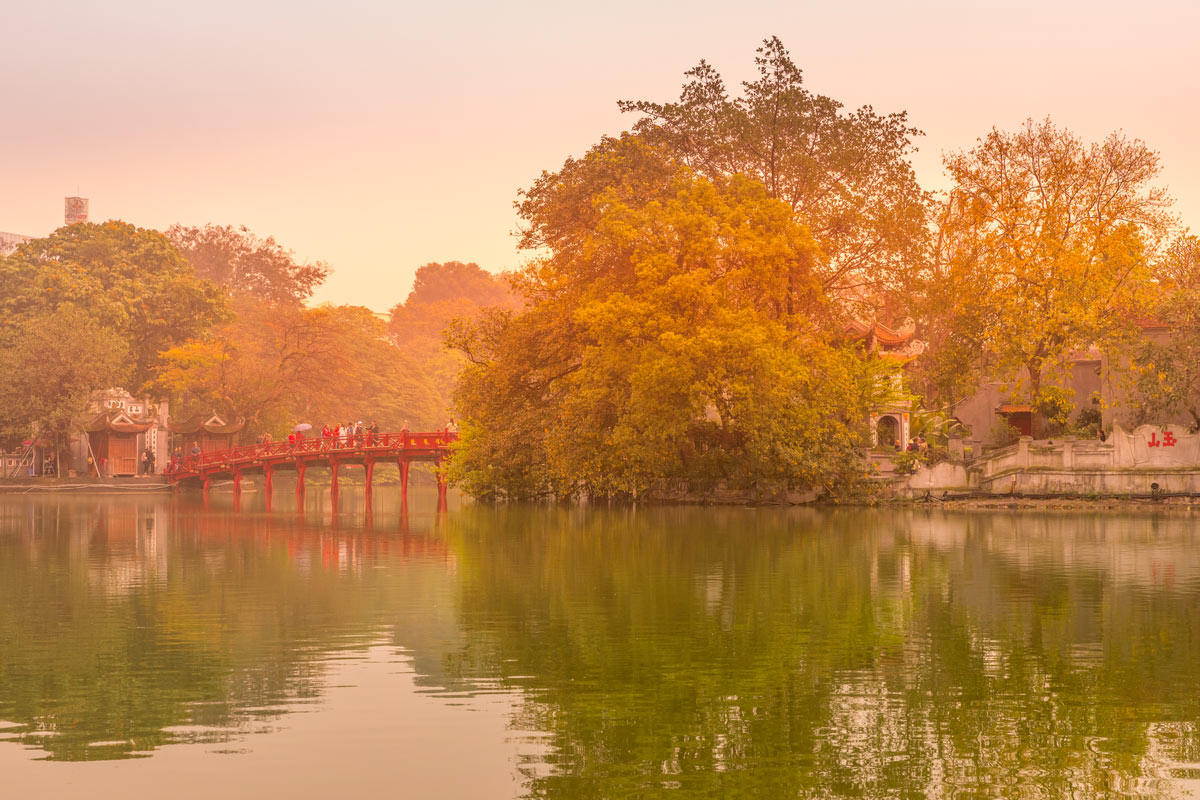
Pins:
x,y
132,623
849,654
635,652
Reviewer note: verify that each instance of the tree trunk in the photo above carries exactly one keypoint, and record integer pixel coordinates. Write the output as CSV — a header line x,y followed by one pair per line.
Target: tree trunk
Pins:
x,y
1035,389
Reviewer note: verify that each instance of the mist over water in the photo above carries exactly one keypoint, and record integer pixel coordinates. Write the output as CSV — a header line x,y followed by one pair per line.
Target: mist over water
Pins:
x,y
152,644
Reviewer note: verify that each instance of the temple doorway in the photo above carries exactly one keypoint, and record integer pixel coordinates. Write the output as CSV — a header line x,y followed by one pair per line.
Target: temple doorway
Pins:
x,y
887,432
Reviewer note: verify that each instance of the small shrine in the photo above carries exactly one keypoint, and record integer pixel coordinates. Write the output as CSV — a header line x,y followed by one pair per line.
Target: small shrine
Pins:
x,y
117,430
210,431
889,421
116,441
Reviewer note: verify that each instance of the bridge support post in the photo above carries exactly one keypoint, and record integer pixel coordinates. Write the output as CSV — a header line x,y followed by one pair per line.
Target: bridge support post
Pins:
x,y
333,477
268,487
207,485
369,467
404,464
300,468
237,490
441,484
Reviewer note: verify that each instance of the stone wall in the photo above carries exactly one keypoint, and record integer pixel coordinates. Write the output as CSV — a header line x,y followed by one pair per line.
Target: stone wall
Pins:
x,y
1149,460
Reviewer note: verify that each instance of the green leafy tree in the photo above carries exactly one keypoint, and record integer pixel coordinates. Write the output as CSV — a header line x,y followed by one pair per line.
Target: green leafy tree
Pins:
x,y
129,280
50,368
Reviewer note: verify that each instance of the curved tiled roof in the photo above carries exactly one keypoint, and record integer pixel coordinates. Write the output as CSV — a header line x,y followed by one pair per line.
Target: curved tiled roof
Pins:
x,y
116,423
210,423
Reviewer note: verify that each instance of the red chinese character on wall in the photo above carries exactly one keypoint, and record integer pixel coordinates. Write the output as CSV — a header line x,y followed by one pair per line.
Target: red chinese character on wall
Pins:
x,y
1168,440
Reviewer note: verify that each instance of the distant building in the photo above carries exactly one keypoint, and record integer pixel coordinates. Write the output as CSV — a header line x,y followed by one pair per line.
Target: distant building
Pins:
x,y
75,209
10,241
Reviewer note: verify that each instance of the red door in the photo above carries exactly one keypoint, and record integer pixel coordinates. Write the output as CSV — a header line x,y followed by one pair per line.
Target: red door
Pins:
x,y
122,454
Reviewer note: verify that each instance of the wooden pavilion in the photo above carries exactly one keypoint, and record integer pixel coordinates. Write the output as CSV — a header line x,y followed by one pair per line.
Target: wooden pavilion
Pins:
x,y
116,443
211,431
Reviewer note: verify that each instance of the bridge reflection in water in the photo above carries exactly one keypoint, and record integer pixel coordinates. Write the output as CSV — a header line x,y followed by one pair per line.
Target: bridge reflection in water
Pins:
x,y
365,450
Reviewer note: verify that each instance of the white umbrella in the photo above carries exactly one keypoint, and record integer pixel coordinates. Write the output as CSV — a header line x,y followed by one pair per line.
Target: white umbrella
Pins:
x,y
303,426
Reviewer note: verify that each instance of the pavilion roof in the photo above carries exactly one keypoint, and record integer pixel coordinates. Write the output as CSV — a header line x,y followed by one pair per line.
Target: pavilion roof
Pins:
x,y
116,422
211,423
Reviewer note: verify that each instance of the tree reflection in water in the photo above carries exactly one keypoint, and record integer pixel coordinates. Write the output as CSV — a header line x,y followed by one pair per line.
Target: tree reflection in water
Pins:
x,y
131,623
701,652
850,653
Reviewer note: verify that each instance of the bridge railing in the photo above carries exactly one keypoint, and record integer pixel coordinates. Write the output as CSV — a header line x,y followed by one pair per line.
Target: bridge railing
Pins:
x,y
377,444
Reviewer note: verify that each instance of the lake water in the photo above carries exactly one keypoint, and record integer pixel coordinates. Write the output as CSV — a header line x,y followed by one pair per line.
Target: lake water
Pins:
x,y
153,647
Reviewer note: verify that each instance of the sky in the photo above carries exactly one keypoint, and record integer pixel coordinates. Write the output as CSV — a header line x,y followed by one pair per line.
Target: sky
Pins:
x,y
380,136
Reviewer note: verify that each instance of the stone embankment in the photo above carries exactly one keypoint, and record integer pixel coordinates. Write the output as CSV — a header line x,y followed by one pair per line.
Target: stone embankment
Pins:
x,y
146,483
1154,461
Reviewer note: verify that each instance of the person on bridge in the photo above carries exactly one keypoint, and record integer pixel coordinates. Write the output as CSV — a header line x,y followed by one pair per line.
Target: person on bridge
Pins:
x,y
195,448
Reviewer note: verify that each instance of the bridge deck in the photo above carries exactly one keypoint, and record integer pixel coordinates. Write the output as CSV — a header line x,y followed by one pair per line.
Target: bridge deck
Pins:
x,y
266,459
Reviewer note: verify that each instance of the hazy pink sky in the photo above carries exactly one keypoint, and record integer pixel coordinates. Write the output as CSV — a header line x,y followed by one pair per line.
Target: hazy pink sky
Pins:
x,y
379,136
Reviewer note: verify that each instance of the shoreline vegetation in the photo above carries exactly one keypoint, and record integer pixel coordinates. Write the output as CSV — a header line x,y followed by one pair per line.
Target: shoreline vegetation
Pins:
x,y
683,317
934,502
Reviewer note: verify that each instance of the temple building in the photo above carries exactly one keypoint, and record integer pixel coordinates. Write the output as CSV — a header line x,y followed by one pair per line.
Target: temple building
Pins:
x,y
890,421
118,428
116,443
210,431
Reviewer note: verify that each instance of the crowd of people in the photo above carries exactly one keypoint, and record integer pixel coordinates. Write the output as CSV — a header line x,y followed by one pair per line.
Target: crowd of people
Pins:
x,y
917,444
349,434
331,437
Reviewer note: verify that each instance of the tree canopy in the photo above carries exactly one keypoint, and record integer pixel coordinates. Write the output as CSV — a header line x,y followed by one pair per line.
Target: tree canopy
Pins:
x,y
442,293
1044,248
51,366
846,175
126,279
276,366
1165,371
680,335
246,264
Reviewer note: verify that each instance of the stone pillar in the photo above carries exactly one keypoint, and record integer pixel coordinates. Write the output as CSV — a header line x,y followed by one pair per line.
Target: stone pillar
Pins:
x,y
956,449
1068,453
1023,451
162,444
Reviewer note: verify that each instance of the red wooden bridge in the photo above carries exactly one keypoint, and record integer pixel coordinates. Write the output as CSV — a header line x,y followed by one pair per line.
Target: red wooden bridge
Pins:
x,y
366,450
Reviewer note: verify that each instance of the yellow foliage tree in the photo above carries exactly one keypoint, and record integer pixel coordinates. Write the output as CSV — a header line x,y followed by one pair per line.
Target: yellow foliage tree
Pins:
x,y
1043,249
